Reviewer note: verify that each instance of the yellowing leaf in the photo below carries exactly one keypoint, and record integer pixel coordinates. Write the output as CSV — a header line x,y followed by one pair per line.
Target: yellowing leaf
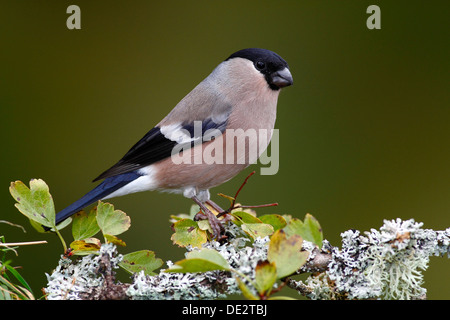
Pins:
x,y
285,253
187,232
265,277
85,247
246,292
115,240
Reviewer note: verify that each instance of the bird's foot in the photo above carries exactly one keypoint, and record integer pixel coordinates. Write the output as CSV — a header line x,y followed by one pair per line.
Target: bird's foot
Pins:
x,y
216,225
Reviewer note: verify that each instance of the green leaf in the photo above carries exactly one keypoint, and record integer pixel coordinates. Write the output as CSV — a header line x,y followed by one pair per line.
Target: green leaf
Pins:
x,y
251,225
205,225
36,225
187,232
200,261
63,224
255,230
285,253
209,255
35,202
143,260
110,221
85,225
241,217
265,277
195,208
275,220
309,229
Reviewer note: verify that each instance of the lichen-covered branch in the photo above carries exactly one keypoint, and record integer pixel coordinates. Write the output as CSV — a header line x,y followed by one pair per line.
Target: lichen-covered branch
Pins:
x,y
385,263
380,264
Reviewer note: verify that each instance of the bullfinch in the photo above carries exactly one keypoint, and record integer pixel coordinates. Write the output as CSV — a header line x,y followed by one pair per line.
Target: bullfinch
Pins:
x,y
206,139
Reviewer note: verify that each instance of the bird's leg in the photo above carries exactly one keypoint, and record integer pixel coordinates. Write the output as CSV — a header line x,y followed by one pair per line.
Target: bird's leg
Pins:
x,y
215,206
216,225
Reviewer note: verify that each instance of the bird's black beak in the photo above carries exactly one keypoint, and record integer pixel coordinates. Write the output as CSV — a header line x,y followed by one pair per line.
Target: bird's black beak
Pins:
x,y
282,78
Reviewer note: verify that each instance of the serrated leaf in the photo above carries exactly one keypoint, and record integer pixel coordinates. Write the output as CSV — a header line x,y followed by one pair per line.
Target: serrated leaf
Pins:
x,y
285,253
113,239
250,224
275,220
35,202
309,229
143,260
85,225
240,217
200,261
85,247
265,277
187,232
110,221
255,230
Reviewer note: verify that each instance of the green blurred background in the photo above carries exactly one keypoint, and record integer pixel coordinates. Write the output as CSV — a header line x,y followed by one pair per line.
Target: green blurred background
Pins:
x,y
364,131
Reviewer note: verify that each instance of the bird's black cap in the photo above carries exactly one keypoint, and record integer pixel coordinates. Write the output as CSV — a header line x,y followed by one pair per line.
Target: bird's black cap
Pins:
x,y
266,61
257,54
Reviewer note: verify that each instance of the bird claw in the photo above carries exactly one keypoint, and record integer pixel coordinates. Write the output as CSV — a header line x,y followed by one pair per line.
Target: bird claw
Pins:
x,y
216,225
200,216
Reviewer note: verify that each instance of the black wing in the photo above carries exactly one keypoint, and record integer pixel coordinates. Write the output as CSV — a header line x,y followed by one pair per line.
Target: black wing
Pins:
x,y
155,146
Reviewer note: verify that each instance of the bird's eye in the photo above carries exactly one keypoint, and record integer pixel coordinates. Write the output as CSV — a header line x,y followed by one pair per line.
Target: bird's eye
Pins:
x,y
260,65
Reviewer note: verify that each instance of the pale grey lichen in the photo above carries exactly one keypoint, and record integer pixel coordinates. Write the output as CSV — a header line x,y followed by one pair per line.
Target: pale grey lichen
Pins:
x,y
238,252
76,280
382,264
177,286
72,281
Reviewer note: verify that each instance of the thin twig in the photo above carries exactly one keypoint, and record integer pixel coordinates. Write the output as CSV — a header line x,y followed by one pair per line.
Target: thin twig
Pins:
x,y
11,244
233,200
242,185
14,225
257,206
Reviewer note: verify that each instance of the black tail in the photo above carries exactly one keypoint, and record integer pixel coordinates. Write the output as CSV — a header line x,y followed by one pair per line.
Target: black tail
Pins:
x,y
108,186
